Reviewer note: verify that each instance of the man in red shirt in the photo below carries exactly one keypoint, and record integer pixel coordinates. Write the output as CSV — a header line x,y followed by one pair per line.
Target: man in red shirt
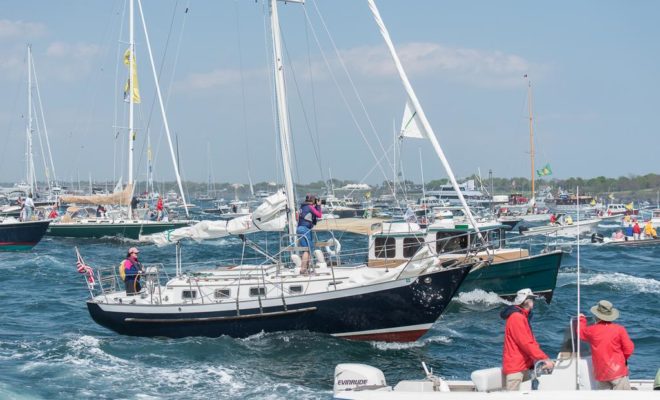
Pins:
x,y
521,350
610,347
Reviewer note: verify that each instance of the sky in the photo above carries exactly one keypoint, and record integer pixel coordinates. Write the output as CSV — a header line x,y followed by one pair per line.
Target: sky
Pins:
x,y
592,65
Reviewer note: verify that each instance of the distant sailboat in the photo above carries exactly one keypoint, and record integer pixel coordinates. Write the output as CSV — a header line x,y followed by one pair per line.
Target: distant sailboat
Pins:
x,y
127,226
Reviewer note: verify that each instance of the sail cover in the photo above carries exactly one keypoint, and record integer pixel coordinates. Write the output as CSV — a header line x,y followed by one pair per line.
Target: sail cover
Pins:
x,y
118,198
269,216
411,126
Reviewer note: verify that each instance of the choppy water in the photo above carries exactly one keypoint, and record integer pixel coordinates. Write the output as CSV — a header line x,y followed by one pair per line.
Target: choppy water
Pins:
x,y
50,347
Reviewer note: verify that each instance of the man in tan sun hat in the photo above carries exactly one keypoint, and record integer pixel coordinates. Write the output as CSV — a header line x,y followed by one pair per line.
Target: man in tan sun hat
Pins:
x,y
610,347
521,350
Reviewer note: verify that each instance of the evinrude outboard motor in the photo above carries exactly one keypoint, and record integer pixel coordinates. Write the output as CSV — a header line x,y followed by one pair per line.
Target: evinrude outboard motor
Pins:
x,y
522,229
358,377
597,238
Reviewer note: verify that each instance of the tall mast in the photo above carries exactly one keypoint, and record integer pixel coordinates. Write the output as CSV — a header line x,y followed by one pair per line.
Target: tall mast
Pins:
x,y
131,72
283,116
420,112
166,125
29,162
531,130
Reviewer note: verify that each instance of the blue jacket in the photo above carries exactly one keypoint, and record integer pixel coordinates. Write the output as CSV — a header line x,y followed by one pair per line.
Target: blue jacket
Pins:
x,y
134,269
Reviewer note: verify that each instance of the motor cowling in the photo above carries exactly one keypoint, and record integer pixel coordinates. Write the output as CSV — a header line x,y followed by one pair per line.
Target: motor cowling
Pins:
x,y
597,238
356,376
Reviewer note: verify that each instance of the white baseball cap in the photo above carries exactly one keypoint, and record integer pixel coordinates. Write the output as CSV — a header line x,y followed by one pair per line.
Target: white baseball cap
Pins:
x,y
522,295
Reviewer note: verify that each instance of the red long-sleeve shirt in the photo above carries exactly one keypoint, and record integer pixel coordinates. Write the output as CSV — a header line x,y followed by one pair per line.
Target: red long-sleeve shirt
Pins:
x,y
521,350
610,348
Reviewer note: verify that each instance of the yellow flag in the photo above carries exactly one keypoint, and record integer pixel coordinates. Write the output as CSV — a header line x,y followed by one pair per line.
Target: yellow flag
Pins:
x,y
629,206
136,88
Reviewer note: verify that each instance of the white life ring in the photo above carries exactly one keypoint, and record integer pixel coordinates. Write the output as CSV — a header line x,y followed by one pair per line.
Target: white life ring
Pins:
x,y
333,248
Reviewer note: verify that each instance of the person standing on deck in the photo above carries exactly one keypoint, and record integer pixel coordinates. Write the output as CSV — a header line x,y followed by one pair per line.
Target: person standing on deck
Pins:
x,y
637,230
308,215
521,350
159,209
611,347
29,207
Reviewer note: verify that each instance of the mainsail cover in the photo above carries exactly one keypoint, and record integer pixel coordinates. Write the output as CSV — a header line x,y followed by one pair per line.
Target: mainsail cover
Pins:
x,y
118,198
269,216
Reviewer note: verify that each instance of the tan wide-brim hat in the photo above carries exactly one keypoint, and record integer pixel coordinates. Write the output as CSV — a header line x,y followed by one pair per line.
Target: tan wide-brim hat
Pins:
x,y
605,311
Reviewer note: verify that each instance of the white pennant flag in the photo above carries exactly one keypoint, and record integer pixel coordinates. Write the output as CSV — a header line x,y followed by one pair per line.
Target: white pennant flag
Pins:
x,y
411,126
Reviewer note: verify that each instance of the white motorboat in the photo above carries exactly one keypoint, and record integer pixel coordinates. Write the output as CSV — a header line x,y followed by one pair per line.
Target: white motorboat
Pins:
x,y
571,378
563,227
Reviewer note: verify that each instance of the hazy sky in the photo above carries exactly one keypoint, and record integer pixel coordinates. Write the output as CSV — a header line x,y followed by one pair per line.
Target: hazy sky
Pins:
x,y
593,65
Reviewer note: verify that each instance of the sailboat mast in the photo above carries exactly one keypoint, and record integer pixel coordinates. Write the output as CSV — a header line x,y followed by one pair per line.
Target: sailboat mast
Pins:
x,y
166,125
283,116
30,165
531,131
420,112
131,74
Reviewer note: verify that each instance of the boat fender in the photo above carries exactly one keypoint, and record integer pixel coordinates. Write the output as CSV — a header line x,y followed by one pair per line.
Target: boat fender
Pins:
x,y
333,248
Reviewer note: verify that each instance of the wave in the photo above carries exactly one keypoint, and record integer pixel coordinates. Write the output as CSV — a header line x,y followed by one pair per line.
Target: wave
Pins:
x,y
480,297
624,282
410,345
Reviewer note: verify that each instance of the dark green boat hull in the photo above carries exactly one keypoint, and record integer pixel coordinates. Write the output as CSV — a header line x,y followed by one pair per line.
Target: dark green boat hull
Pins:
x,y
538,273
128,230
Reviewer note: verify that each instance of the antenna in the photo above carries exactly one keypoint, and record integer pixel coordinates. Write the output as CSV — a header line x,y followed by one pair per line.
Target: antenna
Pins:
x,y
577,363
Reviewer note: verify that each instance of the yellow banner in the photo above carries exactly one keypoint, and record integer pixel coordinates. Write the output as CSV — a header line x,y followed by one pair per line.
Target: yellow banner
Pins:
x,y
136,89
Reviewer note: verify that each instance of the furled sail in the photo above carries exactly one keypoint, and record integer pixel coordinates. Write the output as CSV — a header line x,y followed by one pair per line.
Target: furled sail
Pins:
x,y
269,216
118,198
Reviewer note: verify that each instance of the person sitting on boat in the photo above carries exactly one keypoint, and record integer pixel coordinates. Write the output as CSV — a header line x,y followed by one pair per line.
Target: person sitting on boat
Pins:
x,y
100,211
568,220
649,230
308,214
521,350
636,230
618,235
553,219
130,270
159,209
611,347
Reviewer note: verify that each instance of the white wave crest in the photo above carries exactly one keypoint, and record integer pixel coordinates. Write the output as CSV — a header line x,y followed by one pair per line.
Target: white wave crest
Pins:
x,y
480,297
626,282
410,345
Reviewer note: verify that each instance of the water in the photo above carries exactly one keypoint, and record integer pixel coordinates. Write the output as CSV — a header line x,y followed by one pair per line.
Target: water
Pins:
x,y
50,347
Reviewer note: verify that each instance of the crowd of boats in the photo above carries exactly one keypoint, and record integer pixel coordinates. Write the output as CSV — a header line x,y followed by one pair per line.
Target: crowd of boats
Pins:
x,y
416,255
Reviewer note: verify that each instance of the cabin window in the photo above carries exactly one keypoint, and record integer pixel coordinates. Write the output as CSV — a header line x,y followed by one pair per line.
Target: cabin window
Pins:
x,y
385,247
450,242
295,289
411,246
257,291
222,293
189,294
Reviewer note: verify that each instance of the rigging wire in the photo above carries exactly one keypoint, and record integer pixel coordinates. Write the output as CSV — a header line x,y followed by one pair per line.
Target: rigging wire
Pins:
x,y
343,95
243,96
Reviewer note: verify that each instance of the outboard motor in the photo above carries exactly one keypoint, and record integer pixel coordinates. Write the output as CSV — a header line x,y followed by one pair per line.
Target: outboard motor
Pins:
x,y
597,238
357,377
522,229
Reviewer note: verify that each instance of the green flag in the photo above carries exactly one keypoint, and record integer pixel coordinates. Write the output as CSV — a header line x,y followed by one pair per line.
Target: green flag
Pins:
x,y
545,171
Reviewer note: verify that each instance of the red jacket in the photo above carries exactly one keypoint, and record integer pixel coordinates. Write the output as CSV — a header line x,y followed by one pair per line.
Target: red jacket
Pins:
x,y
636,228
521,350
610,348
